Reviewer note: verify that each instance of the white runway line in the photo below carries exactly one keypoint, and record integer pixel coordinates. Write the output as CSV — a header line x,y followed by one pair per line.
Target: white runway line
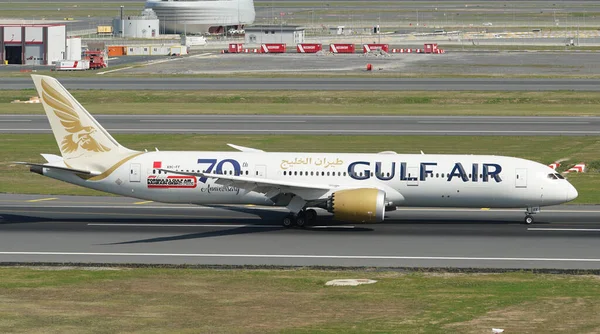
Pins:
x,y
212,121
302,256
183,225
564,229
117,69
500,122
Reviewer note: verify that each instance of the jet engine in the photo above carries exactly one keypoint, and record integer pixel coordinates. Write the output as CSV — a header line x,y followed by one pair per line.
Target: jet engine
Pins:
x,y
365,205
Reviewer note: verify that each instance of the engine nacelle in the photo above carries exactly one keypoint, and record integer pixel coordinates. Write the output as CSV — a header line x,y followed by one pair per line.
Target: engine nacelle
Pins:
x,y
366,205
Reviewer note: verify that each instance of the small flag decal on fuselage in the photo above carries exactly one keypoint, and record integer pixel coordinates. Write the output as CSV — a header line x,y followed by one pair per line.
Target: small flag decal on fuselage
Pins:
x,y
157,164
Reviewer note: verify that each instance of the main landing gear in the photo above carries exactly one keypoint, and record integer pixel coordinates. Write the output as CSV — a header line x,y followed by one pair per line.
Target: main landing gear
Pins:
x,y
300,219
529,215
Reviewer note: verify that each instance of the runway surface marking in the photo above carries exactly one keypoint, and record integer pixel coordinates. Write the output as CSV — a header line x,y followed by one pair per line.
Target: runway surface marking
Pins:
x,y
221,121
116,69
42,199
499,122
184,225
303,256
143,202
563,229
135,214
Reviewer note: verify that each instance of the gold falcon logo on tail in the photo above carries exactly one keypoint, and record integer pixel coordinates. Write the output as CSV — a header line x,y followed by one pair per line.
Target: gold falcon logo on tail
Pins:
x,y
80,136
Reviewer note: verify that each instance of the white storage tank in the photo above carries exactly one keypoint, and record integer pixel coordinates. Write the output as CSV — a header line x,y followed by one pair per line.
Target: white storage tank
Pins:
x,y
73,48
144,26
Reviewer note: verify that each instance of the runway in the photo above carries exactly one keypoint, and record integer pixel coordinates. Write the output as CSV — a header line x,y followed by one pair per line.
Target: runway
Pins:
x,y
339,125
331,84
37,228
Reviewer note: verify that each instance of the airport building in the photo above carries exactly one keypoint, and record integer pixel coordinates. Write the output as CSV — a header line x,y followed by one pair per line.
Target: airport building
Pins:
x,y
32,44
144,26
199,17
290,35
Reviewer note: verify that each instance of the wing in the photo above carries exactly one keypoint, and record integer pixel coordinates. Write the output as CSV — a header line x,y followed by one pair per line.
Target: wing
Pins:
x,y
63,109
269,187
244,149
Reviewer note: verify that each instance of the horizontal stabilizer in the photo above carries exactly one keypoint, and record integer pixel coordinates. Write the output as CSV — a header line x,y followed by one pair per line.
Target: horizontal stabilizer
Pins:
x,y
72,170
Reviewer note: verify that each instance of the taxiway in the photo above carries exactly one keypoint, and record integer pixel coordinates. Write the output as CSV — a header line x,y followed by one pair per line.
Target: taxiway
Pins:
x,y
309,124
331,84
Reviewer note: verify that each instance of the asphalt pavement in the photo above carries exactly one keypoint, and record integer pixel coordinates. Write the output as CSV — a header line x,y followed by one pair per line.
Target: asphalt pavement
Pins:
x,y
39,228
307,124
331,84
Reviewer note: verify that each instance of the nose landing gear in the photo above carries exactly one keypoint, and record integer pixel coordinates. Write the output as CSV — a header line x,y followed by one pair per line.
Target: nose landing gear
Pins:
x,y
530,211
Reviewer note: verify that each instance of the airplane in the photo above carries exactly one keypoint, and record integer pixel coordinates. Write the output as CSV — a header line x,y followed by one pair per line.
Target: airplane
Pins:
x,y
355,187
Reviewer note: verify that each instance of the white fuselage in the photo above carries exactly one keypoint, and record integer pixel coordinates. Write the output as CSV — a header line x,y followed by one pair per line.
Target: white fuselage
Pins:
x,y
408,180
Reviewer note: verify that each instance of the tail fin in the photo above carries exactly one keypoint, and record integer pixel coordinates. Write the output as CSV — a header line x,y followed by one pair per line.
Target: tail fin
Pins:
x,y
77,133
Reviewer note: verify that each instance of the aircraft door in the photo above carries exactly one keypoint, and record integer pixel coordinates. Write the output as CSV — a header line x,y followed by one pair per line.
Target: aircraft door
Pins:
x,y
261,171
413,176
521,178
135,173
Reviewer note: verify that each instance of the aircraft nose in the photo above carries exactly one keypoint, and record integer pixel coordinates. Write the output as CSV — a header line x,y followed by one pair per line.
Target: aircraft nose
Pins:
x,y
571,193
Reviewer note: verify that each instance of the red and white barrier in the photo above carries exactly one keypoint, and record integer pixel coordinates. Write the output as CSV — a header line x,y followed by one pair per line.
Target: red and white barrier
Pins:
x,y
251,50
342,48
309,48
236,47
373,47
579,168
554,165
273,48
437,51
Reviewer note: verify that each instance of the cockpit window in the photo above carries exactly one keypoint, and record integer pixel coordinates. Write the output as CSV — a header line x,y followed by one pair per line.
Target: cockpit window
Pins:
x,y
559,176
552,176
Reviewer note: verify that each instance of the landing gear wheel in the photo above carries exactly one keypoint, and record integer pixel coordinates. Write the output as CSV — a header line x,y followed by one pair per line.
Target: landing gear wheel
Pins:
x,y
528,219
311,216
301,219
288,221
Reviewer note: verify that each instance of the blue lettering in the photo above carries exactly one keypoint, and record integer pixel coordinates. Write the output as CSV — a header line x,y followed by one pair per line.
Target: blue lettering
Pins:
x,y
212,163
426,172
459,171
380,175
355,175
237,170
495,173
475,171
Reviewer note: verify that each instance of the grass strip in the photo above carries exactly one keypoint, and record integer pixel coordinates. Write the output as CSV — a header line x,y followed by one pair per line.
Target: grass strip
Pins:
x,y
18,179
68,300
499,103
